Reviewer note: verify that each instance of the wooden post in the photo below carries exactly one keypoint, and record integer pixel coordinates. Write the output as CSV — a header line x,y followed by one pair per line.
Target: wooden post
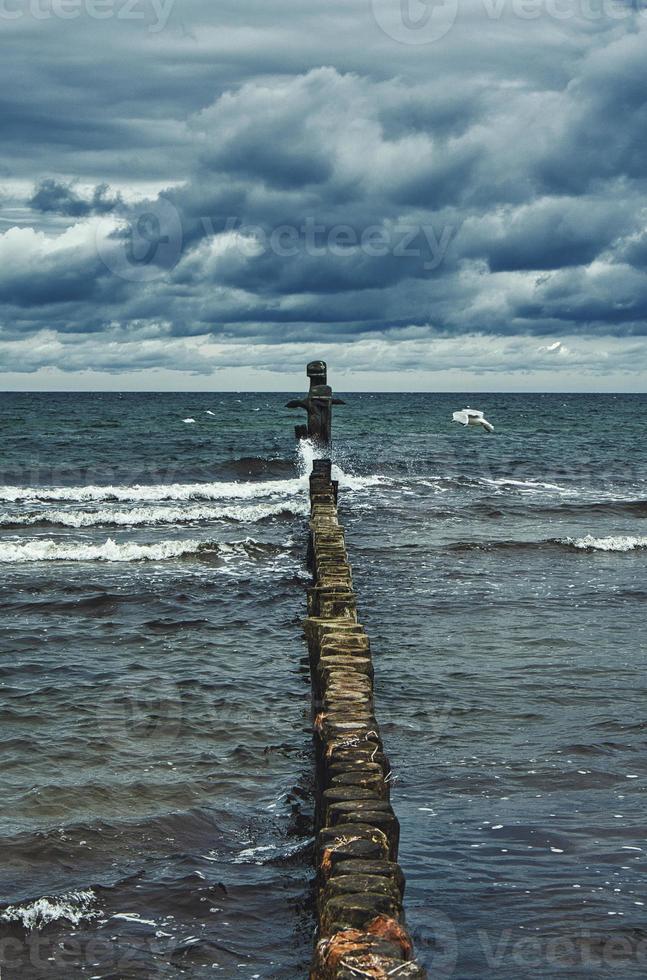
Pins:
x,y
361,929
318,404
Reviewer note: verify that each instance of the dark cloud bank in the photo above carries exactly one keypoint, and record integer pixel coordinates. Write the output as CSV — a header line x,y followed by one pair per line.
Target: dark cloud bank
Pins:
x,y
237,188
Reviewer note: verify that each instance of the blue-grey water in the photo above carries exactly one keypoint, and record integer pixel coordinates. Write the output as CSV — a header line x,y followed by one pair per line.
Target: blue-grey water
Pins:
x,y
156,782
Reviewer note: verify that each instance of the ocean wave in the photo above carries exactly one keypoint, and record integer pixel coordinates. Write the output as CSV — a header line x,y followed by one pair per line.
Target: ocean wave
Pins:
x,y
45,549
159,492
620,542
504,545
255,467
267,853
243,513
156,492
73,906
525,486
605,506
48,549
348,481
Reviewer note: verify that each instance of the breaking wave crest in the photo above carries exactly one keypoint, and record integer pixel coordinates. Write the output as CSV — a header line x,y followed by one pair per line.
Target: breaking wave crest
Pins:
x,y
524,486
47,549
247,513
155,492
620,542
73,907
160,492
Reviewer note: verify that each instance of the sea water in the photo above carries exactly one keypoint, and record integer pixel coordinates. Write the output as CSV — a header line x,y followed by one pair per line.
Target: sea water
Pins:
x,y
156,783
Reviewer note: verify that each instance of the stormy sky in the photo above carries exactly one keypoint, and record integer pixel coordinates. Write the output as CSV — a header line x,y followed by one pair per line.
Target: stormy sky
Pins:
x,y
201,194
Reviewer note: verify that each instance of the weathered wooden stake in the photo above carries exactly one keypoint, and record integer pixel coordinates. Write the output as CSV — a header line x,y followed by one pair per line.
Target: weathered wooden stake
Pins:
x,y
318,404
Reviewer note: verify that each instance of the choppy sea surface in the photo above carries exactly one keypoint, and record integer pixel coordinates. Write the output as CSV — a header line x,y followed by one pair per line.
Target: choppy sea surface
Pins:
x,y
156,780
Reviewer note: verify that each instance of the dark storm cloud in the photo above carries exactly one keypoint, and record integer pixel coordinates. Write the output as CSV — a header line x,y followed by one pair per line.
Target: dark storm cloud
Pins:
x,y
550,233
316,179
61,198
615,297
634,251
602,135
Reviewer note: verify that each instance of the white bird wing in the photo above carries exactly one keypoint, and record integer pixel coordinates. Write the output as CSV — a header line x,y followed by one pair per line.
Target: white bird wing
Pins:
x,y
474,413
461,417
486,425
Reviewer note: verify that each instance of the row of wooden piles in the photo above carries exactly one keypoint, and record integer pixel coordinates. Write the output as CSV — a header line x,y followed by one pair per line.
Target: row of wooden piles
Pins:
x,y
359,885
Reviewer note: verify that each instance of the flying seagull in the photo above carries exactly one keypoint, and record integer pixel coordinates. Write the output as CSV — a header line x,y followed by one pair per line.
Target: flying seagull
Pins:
x,y
470,416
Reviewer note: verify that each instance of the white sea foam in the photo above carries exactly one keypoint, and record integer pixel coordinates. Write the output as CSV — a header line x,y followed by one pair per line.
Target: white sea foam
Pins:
x,y
134,917
307,452
530,486
251,853
245,513
621,542
270,852
46,549
73,906
49,549
347,481
156,492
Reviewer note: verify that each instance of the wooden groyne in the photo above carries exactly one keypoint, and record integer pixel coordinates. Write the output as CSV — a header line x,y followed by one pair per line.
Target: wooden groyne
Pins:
x,y
359,885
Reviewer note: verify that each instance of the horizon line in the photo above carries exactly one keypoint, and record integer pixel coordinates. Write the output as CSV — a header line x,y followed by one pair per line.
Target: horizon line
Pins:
x,y
288,391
